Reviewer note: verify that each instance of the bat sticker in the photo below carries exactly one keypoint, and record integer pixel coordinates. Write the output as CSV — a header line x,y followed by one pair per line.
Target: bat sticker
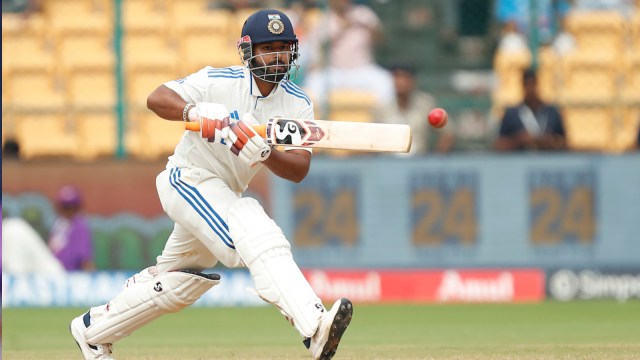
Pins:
x,y
289,132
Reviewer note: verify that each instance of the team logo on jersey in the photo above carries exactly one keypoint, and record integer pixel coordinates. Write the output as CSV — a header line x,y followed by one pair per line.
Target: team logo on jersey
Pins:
x,y
158,286
275,25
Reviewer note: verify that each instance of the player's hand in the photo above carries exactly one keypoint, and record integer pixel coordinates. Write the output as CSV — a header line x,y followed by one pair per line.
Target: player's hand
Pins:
x,y
246,143
214,121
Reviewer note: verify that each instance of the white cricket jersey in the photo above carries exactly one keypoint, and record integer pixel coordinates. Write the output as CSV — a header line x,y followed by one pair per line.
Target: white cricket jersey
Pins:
x,y
235,88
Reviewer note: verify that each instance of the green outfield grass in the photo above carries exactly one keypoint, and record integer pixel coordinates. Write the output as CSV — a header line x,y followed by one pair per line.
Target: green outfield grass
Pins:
x,y
578,330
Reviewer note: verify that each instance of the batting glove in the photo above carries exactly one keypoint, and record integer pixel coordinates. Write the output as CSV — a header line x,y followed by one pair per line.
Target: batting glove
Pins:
x,y
246,143
214,121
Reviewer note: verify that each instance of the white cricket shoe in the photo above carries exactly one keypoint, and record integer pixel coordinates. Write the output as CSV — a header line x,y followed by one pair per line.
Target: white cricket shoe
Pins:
x,y
90,352
324,343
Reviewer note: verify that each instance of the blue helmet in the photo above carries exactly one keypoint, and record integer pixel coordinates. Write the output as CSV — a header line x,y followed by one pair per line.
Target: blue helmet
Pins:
x,y
267,26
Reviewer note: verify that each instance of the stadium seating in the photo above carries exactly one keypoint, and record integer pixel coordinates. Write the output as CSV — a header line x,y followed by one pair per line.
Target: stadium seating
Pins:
x,y
626,134
634,25
590,78
85,52
349,105
27,52
149,136
589,128
45,134
597,31
61,9
549,75
240,16
202,49
92,90
145,50
92,22
630,92
37,90
193,16
61,62
594,83
96,134
140,83
17,24
145,16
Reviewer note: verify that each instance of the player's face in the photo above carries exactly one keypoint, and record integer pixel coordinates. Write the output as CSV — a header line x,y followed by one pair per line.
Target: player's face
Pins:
x,y
276,55
273,58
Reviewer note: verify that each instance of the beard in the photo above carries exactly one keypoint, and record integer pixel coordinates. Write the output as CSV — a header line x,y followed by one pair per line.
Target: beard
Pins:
x,y
270,72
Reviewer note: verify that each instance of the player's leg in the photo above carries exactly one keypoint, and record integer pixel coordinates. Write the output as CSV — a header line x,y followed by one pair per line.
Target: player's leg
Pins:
x,y
267,253
184,250
145,297
148,295
198,201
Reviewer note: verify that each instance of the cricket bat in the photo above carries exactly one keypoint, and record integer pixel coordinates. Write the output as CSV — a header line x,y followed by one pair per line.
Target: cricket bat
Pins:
x,y
344,135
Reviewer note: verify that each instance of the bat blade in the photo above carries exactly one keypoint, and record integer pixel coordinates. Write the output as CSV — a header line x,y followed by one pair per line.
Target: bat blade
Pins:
x,y
344,135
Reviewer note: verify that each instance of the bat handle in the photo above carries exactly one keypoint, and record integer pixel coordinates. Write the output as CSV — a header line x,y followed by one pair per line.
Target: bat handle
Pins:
x,y
195,126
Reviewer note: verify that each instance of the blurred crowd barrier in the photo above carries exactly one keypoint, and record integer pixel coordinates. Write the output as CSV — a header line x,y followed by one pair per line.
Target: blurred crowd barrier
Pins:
x,y
484,211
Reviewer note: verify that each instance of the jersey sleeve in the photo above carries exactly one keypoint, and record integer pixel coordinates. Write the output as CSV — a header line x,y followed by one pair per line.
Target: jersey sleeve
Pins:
x,y
191,88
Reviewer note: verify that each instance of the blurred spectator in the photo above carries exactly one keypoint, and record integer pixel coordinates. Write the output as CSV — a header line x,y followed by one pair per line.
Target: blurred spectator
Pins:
x,y
519,12
24,250
304,16
11,149
411,106
532,125
70,239
512,40
346,36
563,42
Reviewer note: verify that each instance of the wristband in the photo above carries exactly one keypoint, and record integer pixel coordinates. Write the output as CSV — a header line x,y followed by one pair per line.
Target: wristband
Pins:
x,y
192,114
185,111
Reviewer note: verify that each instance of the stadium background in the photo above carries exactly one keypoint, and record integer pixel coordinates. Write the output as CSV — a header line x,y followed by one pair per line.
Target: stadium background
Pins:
x,y
468,226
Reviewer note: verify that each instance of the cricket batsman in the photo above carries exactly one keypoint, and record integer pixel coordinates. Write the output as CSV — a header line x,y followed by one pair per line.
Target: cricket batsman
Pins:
x,y
201,190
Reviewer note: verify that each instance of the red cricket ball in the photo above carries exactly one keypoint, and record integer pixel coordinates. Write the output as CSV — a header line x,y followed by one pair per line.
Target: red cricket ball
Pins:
x,y
438,117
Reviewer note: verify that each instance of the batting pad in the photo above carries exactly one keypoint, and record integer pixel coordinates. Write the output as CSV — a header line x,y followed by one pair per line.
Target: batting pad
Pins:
x,y
147,298
267,253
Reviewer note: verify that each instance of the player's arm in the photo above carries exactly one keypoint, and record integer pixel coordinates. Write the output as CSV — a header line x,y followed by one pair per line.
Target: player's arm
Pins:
x,y
169,100
166,103
292,165
169,105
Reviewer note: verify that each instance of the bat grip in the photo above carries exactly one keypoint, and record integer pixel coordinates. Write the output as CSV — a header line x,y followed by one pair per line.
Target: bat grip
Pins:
x,y
195,126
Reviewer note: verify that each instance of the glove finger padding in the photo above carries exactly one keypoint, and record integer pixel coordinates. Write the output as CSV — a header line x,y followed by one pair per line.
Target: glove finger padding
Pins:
x,y
214,121
247,144
215,130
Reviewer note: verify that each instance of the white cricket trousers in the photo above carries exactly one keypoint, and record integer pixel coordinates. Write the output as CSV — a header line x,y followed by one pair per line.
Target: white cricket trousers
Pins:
x,y
197,201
